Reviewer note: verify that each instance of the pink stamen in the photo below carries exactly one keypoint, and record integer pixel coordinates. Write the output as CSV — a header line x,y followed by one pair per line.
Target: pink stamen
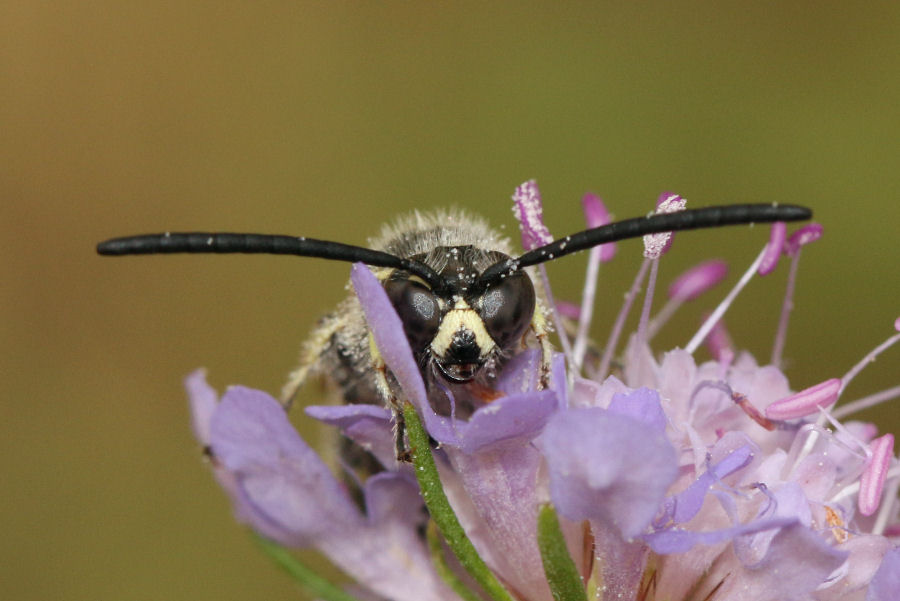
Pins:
x,y
528,209
774,248
648,301
802,237
866,402
655,245
620,320
752,412
871,482
568,310
719,343
786,307
724,305
698,279
869,358
595,214
798,239
806,402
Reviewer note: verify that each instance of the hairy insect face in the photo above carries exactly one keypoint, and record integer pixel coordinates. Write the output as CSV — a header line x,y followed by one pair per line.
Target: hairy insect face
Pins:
x,y
462,326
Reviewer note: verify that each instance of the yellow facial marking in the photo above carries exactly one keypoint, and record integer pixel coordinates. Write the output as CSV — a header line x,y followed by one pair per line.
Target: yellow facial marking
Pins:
x,y
462,317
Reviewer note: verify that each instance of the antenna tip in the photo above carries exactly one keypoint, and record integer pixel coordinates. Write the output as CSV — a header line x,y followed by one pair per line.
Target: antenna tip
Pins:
x,y
794,212
106,248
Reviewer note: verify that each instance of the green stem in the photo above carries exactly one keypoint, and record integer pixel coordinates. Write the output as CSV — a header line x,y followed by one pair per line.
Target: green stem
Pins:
x,y
443,568
316,586
440,510
562,575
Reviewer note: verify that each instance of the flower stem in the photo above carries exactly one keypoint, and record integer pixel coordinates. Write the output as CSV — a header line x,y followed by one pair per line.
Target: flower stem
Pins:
x,y
440,510
443,569
562,575
312,583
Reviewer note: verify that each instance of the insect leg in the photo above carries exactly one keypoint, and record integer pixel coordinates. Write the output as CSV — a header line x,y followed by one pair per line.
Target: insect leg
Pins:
x,y
379,369
542,333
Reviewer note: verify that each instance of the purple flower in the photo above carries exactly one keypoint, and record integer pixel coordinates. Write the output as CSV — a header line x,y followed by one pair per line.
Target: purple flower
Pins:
x,y
282,489
674,478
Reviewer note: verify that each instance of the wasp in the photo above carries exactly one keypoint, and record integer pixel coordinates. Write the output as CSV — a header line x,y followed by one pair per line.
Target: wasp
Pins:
x,y
467,302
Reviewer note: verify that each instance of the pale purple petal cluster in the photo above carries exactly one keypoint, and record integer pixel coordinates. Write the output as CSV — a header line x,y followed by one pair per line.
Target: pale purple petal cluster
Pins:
x,y
674,479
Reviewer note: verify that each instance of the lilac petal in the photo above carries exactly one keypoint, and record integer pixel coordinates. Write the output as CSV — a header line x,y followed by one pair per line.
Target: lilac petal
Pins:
x,y
386,553
285,490
528,210
867,552
796,563
685,505
805,402
369,426
642,405
886,582
622,563
656,245
607,467
698,279
520,374
802,237
392,496
596,214
499,483
558,380
387,329
676,540
204,400
872,480
508,418
773,248
589,393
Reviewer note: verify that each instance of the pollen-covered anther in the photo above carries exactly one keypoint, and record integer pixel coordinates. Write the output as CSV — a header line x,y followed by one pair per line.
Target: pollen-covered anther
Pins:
x,y
774,248
802,237
697,280
871,482
530,214
806,402
655,245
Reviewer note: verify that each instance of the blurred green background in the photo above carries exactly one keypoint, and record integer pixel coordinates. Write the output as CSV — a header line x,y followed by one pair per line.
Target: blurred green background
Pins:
x,y
328,119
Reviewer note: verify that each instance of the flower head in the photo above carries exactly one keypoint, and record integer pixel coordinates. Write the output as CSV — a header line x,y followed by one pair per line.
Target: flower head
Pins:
x,y
673,478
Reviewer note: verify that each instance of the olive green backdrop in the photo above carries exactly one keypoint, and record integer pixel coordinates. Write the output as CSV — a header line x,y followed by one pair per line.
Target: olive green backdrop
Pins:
x,y
327,119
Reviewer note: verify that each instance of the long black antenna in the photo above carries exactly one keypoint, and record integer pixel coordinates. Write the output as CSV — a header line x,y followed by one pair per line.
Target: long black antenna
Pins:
x,y
690,219
210,242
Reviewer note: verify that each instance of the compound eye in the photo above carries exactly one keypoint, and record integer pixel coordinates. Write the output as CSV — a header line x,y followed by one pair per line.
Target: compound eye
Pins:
x,y
418,310
506,308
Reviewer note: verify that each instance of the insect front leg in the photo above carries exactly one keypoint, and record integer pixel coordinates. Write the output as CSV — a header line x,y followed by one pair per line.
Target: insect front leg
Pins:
x,y
542,333
379,370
